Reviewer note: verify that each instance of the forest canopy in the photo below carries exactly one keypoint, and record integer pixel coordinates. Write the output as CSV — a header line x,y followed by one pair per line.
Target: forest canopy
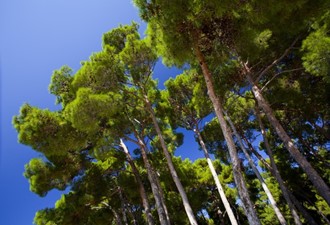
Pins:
x,y
254,91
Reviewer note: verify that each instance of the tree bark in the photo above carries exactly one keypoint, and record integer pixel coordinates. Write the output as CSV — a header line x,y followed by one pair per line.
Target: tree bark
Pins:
x,y
123,206
272,201
296,204
143,194
313,176
223,197
117,217
171,167
239,179
161,195
154,186
276,172
302,210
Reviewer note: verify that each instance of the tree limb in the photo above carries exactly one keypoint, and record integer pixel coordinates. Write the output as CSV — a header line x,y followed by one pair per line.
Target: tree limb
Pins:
x,y
277,60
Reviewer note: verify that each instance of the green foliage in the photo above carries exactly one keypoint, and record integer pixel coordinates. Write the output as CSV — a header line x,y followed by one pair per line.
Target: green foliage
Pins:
x,y
139,59
262,39
47,131
104,72
38,172
60,85
185,99
55,173
239,107
113,93
90,112
316,47
117,37
214,141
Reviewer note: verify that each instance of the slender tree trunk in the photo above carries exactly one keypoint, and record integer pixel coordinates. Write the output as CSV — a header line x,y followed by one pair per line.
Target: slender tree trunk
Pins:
x,y
325,219
143,194
296,205
302,210
238,177
257,154
276,172
161,192
160,189
117,217
272,201
154,186
313,176
123,206
171,167
131,214
223,197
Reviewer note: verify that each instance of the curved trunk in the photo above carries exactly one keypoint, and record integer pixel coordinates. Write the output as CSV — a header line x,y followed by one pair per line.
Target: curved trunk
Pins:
x,y
143,194
223,197
256,172
154,186
238,177
313,176
171,167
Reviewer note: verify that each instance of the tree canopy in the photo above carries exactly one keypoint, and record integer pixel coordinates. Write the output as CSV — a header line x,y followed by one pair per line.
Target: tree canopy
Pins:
x,y
254,90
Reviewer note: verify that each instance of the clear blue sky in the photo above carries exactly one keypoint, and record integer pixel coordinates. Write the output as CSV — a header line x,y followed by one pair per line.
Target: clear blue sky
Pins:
x,y
37,37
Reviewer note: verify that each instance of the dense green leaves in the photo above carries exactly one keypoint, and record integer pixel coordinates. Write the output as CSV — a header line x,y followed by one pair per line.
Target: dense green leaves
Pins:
x,y
284,48
317,49
47,131
60,85
90,112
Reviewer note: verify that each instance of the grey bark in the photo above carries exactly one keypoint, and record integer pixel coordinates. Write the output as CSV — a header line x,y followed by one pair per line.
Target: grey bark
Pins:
x,y
272,201
143,194
123,206
171,167
276,172
161,192
154,186
238,177
118,220
313,176
296,204
223,197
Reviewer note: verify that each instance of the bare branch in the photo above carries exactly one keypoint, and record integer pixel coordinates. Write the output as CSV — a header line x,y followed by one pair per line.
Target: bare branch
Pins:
x,y
277,60
284,71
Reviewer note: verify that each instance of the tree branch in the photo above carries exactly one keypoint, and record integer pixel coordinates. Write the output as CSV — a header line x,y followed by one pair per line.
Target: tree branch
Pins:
x,y
277,60
284,71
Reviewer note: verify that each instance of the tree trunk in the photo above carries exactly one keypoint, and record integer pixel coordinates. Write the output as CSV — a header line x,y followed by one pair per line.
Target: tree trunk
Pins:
x,y
302,210
171,167
131,214
223,197
256,172
123,206
143,194
238,177
161,195
276,172
117,217
154,186
313,176
324,217
296,204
